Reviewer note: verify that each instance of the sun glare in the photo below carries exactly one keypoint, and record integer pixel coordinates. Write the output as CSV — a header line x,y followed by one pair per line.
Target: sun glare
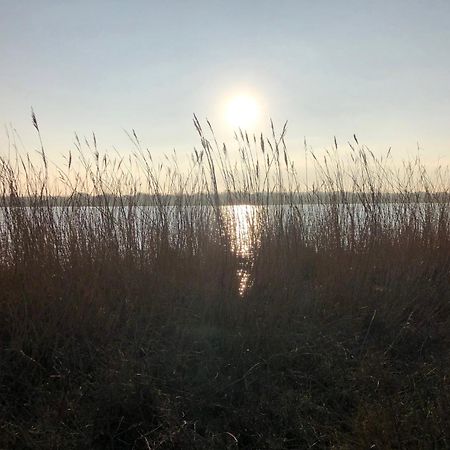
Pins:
x,y
242,111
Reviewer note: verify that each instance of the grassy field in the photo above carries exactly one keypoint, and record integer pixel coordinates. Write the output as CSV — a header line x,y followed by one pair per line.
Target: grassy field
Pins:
x,y
124,329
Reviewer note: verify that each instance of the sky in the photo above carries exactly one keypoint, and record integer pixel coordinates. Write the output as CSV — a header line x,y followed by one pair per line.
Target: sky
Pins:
x,y
379,69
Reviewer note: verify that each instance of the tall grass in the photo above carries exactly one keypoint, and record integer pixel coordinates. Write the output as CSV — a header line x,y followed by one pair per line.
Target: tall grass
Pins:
x,y
131,317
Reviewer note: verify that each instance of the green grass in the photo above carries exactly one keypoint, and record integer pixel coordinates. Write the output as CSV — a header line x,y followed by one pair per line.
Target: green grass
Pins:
x,y
120,330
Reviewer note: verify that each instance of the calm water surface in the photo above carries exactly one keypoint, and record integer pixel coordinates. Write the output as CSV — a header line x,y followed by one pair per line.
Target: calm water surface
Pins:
x,y
243,222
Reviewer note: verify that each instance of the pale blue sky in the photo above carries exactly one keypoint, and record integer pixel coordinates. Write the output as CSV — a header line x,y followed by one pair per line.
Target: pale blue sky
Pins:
x,y
380,69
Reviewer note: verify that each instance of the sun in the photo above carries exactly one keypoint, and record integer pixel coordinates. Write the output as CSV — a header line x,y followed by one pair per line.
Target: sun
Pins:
x,y
242,111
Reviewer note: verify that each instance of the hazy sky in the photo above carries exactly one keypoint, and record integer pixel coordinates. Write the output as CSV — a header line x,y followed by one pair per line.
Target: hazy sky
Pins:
x,y
380,69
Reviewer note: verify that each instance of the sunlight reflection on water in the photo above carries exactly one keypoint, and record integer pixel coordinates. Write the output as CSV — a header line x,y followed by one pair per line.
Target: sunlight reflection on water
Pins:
x,y
243,229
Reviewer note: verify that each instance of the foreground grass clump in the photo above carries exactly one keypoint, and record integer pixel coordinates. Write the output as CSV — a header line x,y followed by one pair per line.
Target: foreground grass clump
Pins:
x,y
137,311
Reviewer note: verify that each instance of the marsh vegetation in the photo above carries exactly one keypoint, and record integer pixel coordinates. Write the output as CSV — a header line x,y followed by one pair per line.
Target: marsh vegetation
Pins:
x,y
243,306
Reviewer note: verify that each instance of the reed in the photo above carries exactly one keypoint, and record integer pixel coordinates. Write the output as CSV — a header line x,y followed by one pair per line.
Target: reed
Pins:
x,y
132,315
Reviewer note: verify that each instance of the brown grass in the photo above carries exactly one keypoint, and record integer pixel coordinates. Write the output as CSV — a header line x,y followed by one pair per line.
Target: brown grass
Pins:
x,y
123,326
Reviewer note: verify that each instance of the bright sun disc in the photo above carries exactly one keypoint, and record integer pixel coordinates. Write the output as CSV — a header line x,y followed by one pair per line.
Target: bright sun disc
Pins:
x,y
242,111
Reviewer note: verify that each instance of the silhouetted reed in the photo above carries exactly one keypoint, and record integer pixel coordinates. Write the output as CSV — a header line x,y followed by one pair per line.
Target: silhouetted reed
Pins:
x,y
134,315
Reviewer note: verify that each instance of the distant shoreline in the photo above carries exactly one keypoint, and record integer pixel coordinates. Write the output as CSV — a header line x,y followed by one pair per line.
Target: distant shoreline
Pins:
x,y
224,199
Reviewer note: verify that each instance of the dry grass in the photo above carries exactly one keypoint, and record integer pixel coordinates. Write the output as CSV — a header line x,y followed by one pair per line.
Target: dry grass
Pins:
x,y
123,326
